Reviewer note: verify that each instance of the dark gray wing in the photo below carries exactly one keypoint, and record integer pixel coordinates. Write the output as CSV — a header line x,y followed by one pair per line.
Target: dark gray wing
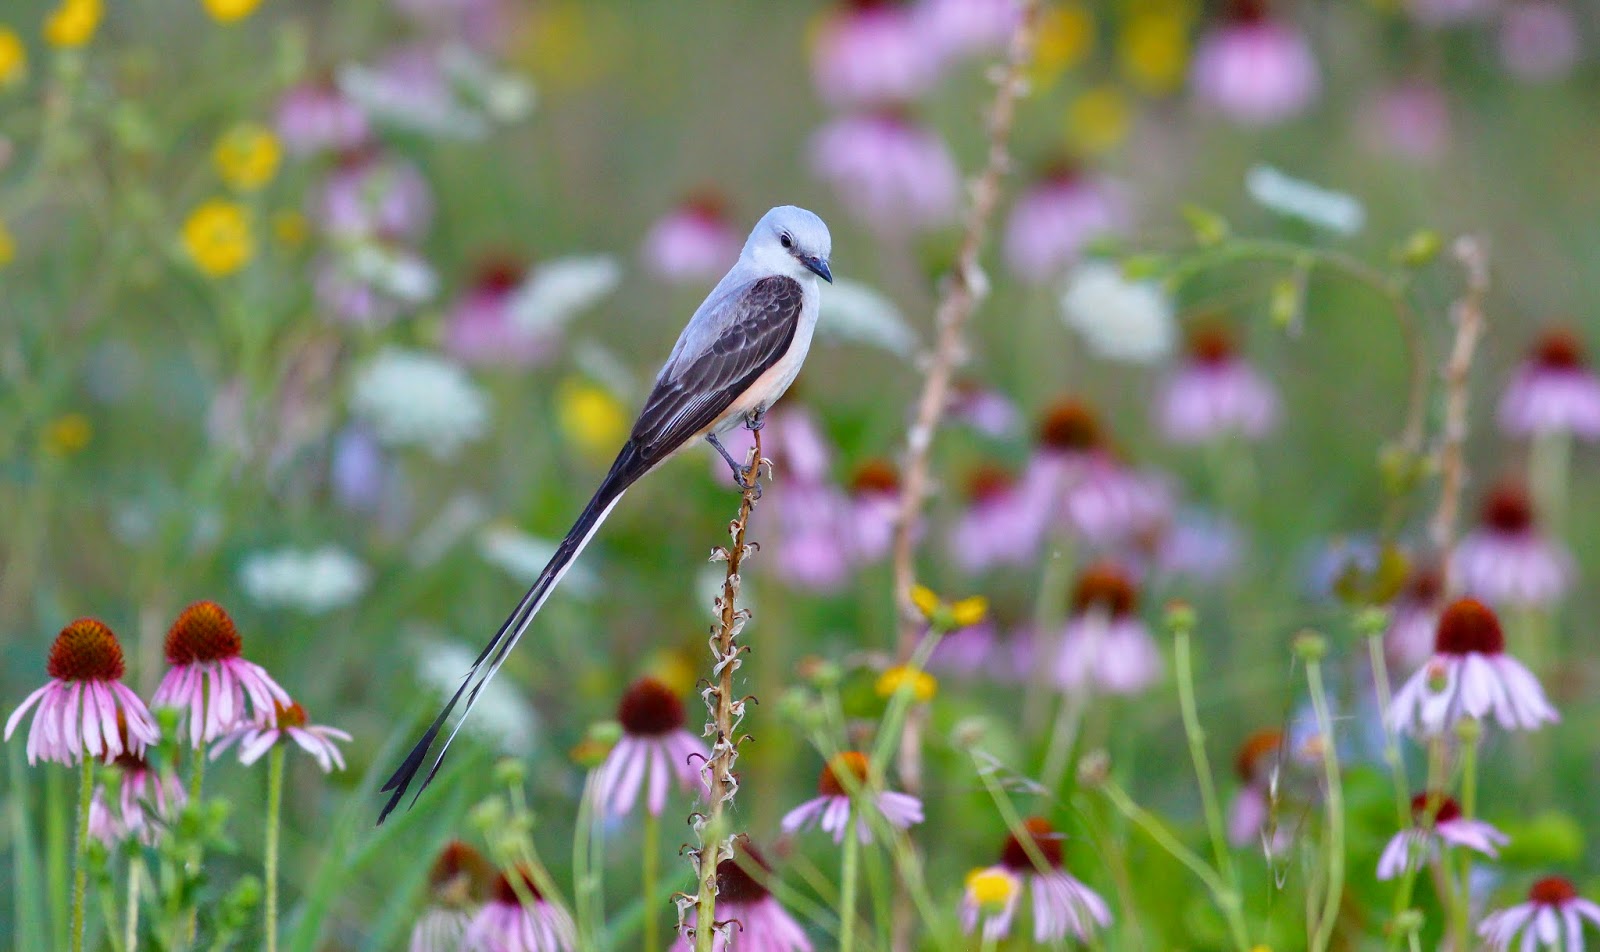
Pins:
x,y
768,313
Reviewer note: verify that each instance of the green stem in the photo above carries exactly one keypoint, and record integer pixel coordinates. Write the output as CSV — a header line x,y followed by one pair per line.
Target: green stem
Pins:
x,y
847,885
80,849
1063,738
652,862
1197,752
274,809
1462,918
1335,808
1391,741
1228,901
130,931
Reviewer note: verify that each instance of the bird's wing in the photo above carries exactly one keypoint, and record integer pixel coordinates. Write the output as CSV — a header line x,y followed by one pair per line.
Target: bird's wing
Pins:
x,y
759,327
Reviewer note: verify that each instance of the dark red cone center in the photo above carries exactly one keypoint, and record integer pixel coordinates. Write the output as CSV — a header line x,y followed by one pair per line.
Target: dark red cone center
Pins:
x,y
457,873
506,894
1106,587
1070,427
1508,509
86,650
1553,891
498,274
852,763
989,482
203,632
1559,349
875,477
1468,626
649,709
736,877
292,716
1211,346
1038,831
1446,808
1256,749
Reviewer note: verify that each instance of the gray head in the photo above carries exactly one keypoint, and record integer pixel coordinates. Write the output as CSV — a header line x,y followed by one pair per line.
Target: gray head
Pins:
x,y
790,241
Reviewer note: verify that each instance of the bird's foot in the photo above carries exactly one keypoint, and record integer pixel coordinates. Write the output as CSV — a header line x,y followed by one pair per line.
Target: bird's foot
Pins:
x,y
755,419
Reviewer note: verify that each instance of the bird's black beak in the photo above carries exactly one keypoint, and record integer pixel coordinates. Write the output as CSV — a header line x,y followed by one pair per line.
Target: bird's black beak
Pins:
x,y
817,266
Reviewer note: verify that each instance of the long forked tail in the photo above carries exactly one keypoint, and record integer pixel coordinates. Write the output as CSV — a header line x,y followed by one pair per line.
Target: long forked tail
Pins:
x,y
629,466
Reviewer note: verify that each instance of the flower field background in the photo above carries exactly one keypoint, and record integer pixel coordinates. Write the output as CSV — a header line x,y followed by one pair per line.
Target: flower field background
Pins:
x,y
1179,535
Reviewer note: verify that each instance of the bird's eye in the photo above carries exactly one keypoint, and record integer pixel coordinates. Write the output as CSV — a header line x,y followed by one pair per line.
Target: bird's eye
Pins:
x,y
785,240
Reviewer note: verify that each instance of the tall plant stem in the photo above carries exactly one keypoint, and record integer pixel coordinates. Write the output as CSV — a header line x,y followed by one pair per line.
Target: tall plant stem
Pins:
x,y
80,851
848,879
274,811
726,710
651,862
1334,799
1197,752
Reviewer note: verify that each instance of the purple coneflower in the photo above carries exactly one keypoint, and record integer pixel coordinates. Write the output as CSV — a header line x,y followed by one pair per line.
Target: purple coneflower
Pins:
x,y
1553,917
1105,646
1554,391
832,810
993,529
1506,560
1075,475
1214,394
990,897
874,506
654,748
1540,40
985,409
871,52
756,923
1414,617
317,117
891,172
506,924
147,800
482,328
1416,844
209,682
456,883
288,723
1248,815
84,709
814,548
1052,221
1255,68
1410,120
1469,675
376,194
1061,904
693,243
964,27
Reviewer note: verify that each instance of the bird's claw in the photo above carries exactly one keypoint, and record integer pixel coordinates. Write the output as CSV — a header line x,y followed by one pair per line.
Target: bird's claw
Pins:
x,y
755,419
751,486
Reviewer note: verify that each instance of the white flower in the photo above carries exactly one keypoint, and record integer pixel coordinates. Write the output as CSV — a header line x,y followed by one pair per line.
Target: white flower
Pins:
x,y
501,717
410,90
1333,211
557,290
400,273
523,557
505,97
855,312
1119,319
414,398
313,581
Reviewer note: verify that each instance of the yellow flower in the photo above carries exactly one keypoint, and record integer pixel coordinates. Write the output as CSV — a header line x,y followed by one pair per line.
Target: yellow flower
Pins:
x,y
290,228
960,614
247,156
1097,121
923,685
591,418
991,888
217,237
13,57
227,11
67,435
8,245
1064,37
674,669
73,23
1154,50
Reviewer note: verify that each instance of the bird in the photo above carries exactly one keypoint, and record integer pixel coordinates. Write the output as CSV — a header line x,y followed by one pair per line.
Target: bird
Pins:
x,y
737,355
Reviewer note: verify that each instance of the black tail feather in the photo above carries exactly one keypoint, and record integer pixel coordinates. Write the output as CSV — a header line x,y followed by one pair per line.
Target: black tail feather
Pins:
x,y
628,467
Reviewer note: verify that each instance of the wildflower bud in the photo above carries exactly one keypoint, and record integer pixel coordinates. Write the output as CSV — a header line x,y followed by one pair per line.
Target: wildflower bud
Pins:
x,y
969,732
488,815
1372,621
1401,468
1207,226
799,706
1285,302
1469,729
1094,769
167,720
1409,922
1419,249
1310,646
1180,617
1143,267
921,685
509,772
1438,678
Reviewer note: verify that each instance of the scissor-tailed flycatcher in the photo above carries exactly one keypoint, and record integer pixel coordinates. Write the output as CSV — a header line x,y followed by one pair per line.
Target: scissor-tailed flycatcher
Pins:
x,y
736,357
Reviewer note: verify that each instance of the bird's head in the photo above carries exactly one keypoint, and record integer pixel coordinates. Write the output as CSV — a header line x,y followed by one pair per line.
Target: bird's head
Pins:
x,y
790,241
